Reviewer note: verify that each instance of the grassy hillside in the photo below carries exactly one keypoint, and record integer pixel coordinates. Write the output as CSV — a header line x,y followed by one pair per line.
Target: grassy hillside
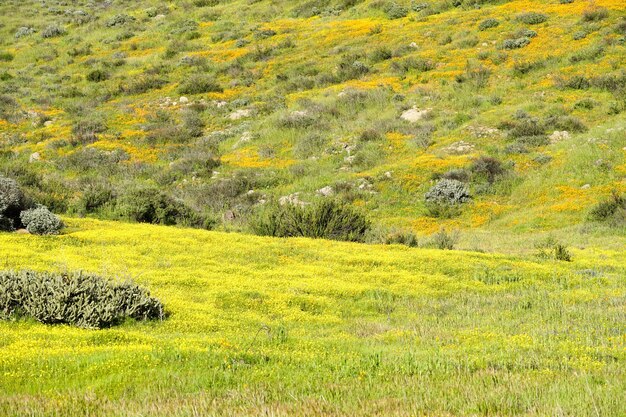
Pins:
x,y
264,326
227,104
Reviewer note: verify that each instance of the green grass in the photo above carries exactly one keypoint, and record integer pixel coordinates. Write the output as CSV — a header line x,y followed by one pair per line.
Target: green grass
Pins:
x,y
310,327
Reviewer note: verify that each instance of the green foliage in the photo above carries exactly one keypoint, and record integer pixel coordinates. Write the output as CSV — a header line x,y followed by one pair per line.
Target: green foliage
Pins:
x,y
79,299
328,219
515,43
488,24
444,240
198,84
611,210
445,198
531,18
97,75
550,248
53,31
40,221
595,14
394,10
487,169
149,205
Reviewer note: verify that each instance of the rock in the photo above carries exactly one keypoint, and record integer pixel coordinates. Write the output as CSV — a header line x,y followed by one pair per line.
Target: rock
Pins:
x,y
558,136
413,45
460,148
47,123
239,114
414,115
22,232
480,132
387,174
585,187
326,191
220,104
34,157
229,216
159,17
183,100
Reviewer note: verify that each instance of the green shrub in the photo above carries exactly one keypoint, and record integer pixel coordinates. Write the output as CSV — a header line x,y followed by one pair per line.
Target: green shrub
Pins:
x,y
488,24
325,219
445,198
97,76
199,84
6,56
120,20
552,249
53,31
444,240
595,14
612,210
487,169
515,43
394,10
79,299
40,221
531,18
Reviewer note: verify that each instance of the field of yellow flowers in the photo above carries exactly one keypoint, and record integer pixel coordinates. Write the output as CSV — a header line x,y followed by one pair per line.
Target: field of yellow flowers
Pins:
x,y
299,327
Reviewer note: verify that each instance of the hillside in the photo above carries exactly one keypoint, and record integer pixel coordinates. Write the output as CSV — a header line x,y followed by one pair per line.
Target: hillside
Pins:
x,y
224,105
299,327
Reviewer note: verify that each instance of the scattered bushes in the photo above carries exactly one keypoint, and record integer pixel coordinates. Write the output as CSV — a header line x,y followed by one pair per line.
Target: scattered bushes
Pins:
x,y
445,198
79,299
327,219
40,221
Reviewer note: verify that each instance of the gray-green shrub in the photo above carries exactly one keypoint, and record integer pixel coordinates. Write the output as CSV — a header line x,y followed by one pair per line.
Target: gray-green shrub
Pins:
x,y
79,299
40,221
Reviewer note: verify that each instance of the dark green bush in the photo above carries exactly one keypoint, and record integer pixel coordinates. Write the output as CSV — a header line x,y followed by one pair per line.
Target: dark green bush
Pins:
x,y
552,249
79,299
97,76
326,219
40,221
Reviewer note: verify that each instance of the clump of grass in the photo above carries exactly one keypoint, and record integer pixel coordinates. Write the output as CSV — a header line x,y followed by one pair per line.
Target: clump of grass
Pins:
x,y
550,248
199,84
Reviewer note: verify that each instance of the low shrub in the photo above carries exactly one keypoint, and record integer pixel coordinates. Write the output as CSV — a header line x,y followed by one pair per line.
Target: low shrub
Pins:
x,y
40,221
488,24
531,18
595,14
79,299
52,31
445,198
394,10
199,84
97,76
325,219
487,169
444,240
515,43
552,249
